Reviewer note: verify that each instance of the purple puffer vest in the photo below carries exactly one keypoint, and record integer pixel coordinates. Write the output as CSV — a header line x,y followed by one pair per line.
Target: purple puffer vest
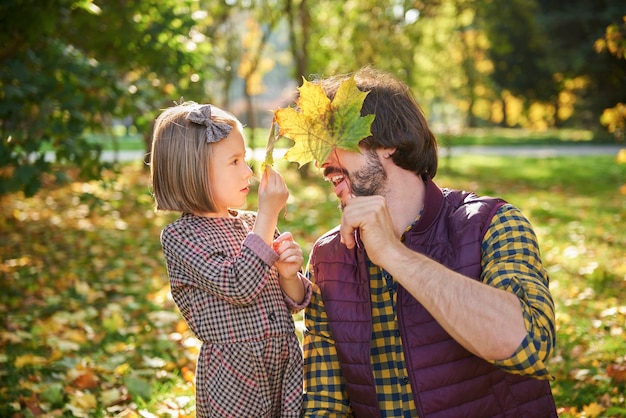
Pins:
x,y
447,381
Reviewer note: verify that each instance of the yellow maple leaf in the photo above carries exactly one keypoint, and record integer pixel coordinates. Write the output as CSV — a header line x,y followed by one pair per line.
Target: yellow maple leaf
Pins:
x,y
592,410
318,125
29,360
82,404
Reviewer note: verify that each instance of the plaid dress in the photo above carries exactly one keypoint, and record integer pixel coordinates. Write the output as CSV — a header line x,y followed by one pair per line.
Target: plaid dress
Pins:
x,y
223,282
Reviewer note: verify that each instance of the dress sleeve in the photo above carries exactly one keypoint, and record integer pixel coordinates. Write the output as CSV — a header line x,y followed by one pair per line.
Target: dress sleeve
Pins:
x,y
324,389
511,261
308,291
192,261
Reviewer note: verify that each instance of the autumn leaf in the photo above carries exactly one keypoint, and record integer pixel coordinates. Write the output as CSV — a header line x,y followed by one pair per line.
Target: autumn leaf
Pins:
x,y
29,360
112,396
318,126
617,372
82,403
593,409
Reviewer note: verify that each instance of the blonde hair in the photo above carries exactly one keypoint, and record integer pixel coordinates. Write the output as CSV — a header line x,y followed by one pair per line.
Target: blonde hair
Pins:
x,y
179,161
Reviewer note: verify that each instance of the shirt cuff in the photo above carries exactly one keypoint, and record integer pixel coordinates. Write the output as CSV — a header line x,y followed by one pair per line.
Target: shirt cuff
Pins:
x,y
260,248
308,291
525,361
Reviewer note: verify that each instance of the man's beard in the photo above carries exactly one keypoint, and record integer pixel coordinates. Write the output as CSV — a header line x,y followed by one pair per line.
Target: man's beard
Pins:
x,y
370,180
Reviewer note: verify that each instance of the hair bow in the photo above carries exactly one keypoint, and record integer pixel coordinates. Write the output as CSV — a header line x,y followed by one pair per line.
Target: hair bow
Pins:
x,y
215,131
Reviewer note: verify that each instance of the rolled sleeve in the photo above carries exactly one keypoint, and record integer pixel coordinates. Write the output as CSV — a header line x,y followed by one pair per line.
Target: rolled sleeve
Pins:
x,y
511,261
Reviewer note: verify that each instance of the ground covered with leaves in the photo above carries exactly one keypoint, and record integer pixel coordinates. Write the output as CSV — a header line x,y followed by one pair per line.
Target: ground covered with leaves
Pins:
x,y
89,328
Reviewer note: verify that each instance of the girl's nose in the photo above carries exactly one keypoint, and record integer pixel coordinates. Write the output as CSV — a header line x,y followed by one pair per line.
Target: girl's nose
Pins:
x,y
248,172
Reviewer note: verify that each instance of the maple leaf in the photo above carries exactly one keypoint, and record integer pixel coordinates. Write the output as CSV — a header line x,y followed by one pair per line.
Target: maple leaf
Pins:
x,y
320,126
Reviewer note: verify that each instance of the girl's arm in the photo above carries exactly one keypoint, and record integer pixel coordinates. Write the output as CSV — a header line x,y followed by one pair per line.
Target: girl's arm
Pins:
x,y
289,265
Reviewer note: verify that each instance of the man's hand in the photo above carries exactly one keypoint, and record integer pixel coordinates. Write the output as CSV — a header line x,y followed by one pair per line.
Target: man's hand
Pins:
x,y
370,216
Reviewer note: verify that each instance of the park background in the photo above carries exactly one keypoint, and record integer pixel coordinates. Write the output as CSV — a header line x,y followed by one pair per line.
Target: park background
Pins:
x,y
88,326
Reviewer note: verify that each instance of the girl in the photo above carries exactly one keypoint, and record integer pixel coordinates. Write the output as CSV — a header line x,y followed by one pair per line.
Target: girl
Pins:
x,y
234,279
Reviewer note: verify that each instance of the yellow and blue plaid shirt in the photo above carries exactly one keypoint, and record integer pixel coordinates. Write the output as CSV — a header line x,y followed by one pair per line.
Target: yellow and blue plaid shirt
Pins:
x,y
510,261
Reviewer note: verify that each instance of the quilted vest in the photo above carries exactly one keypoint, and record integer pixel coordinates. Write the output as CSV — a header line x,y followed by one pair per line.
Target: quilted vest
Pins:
x,y
447,381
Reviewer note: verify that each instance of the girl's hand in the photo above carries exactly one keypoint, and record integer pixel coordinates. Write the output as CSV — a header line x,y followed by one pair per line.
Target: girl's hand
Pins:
x,y
290,258
273,193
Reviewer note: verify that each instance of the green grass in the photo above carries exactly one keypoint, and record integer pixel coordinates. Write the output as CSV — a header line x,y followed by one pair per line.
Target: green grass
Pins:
x,y
512,136
89,326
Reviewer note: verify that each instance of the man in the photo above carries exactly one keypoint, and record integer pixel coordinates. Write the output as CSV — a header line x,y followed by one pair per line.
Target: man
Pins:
x,y
427,302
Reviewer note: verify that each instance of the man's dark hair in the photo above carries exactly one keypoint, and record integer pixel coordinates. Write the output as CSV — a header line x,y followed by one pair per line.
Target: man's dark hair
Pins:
x,y
399,121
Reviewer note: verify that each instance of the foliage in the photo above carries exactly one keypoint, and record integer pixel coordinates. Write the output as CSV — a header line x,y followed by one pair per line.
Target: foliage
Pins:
x,y
51,92
71,67
614,41
318,126
89,328
572,30
614,119
517,49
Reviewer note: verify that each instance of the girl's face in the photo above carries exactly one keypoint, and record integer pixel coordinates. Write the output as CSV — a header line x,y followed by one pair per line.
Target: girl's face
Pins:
x,y
229,172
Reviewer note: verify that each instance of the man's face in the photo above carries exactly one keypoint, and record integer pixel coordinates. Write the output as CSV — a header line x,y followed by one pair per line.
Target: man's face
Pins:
x,y
355,174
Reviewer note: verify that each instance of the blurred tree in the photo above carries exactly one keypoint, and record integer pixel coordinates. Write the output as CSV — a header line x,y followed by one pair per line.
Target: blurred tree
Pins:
x,y
614,42
260,22
588,82
451,67
517,50
299,26
70,66
346,35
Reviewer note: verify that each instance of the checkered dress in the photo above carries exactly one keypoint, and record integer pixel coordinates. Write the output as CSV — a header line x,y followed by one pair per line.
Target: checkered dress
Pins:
x,y
223,282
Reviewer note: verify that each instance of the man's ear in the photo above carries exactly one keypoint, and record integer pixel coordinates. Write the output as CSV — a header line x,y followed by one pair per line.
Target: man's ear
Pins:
x,y
386,153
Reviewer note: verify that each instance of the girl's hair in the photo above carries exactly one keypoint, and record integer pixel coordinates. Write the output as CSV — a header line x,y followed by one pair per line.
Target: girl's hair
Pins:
x,y
399,121
179,162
